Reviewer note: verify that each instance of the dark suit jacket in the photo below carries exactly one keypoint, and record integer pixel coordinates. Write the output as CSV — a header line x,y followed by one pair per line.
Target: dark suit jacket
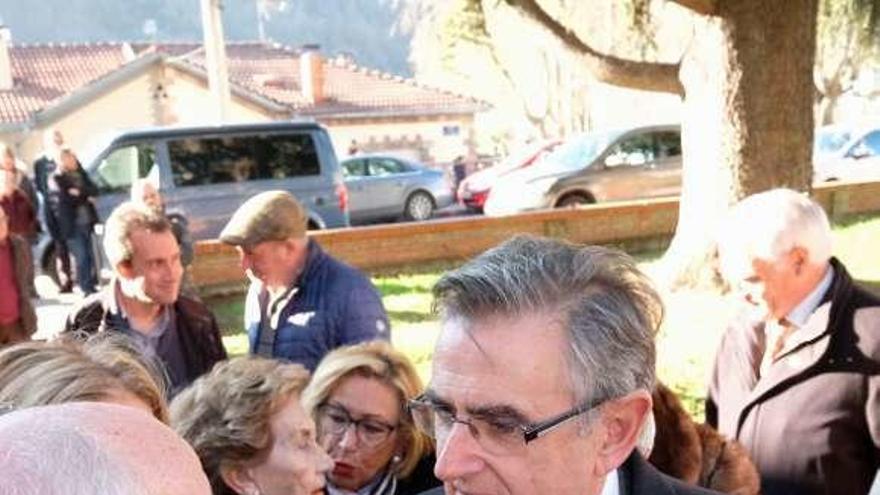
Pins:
x,y
637,477
812,423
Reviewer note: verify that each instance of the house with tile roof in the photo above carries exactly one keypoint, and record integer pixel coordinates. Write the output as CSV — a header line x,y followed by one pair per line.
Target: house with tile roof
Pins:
x,y
89,89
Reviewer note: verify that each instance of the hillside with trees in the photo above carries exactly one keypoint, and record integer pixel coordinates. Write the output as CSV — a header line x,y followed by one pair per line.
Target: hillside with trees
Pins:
x,y
366,29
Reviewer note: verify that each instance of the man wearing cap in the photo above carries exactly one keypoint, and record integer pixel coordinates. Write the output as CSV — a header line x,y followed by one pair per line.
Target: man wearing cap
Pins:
x,y
302,302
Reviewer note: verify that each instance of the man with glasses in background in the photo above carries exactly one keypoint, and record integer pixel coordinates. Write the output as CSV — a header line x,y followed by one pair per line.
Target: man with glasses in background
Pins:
x,y
542,373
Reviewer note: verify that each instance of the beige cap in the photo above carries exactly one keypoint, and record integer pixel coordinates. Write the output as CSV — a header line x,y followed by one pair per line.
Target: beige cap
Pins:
x,y
268,216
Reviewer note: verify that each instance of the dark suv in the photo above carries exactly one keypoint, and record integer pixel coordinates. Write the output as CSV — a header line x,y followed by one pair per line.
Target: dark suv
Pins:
x,y
207,172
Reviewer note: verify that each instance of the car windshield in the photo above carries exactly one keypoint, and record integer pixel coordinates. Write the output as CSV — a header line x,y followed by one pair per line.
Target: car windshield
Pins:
x,y
95,147
830,141
580,151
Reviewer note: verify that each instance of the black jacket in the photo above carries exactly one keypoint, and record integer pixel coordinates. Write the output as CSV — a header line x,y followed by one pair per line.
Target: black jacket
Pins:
x,y
197,329
64,206
637,477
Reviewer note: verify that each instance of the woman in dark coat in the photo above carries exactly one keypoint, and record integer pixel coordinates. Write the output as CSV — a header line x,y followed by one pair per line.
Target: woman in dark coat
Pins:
x,y
71,195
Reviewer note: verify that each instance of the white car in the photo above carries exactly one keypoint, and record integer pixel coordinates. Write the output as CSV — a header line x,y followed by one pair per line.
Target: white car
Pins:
x,y
843,152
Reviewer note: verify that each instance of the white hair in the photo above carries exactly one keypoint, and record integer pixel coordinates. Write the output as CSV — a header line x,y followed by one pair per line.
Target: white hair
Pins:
x,y
768,225
45,459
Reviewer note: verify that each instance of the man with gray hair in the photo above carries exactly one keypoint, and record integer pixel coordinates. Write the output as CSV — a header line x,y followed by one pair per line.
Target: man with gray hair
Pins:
x,y
143,300
86,448
542,373
797,375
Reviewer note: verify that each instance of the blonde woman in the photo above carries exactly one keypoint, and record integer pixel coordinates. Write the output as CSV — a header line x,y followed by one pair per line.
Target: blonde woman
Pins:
x,y
103,369
358,397
245,422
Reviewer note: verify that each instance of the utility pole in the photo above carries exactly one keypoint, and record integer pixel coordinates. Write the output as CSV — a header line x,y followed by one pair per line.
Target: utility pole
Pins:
x,y
215,56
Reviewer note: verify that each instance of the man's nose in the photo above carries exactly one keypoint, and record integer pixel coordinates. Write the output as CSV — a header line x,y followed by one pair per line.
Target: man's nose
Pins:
x,y
458,454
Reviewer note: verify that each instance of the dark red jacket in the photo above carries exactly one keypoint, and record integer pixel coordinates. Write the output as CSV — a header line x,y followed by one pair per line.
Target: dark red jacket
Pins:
x,y
21,214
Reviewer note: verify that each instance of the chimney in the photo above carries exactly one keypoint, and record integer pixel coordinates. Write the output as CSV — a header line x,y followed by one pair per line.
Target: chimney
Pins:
x,y
311,74
5,63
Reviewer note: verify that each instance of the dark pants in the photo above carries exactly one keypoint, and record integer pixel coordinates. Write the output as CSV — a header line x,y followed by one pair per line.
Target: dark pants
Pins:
x,y
80,245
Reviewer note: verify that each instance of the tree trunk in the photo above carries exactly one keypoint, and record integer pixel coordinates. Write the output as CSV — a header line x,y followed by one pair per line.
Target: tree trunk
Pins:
x,y
748,119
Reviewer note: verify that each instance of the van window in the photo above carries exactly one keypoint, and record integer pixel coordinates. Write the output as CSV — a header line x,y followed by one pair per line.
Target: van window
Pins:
x,y
202,161
122,166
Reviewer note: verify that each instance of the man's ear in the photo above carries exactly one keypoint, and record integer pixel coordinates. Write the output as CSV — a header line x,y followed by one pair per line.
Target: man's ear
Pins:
x,y
621,424
239,479
799,258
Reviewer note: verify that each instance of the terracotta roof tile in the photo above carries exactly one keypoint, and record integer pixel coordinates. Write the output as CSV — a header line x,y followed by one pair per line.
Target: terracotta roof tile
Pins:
x,y
45,73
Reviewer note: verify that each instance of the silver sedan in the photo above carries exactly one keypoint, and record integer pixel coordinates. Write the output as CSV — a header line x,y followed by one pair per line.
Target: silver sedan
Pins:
x,y
386,187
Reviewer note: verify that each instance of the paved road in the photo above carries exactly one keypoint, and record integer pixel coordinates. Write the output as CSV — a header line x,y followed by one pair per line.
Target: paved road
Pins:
x,y
52,308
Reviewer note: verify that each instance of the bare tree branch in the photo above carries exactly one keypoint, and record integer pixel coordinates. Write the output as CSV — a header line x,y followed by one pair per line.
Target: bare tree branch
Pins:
x,y
647,76
703,7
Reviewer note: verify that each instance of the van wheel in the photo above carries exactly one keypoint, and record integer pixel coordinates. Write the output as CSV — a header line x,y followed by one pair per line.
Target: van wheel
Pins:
x,y
419,206
574,199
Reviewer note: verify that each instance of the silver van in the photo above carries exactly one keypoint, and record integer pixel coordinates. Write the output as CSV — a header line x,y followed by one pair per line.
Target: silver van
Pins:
x,y
205,173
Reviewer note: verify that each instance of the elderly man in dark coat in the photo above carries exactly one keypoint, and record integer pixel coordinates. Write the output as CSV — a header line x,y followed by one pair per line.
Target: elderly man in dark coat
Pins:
x,y
797,375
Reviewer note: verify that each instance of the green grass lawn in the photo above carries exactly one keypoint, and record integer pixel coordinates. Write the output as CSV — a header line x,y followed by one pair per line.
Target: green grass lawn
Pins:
x,y
685,345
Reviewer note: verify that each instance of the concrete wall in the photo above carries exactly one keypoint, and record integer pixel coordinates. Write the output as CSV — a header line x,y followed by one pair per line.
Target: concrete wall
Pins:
x,y
191,103
129,105
635,225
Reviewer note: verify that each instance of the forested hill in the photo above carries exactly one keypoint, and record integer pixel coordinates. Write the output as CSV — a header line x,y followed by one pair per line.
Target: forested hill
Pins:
x,y
363,28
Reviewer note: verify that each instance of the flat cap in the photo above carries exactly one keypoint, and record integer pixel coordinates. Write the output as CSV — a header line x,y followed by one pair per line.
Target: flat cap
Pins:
x,y
268,216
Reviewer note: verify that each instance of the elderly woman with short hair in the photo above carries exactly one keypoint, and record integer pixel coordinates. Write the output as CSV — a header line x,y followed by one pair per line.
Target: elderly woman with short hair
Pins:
x,y
101,369
245,422
358,396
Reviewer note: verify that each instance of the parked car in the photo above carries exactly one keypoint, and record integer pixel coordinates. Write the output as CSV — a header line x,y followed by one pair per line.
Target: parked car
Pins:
x,y
208,172
474,189
600,166
844,152
384,187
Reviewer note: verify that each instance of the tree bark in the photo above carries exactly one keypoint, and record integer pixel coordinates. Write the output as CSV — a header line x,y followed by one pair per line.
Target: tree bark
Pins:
x,y
748,119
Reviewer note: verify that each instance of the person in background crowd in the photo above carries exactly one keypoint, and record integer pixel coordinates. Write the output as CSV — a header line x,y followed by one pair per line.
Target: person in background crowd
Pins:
x,y
302,303
102,369
144,192
20,213
71,193
88,448
18,169
45,165
44,168
245,422
18,321
18,197
542,373
796,377
358,398
143,300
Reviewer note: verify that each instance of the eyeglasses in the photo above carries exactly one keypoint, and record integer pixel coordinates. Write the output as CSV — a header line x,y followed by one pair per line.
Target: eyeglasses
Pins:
x,y
335,420
497,436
